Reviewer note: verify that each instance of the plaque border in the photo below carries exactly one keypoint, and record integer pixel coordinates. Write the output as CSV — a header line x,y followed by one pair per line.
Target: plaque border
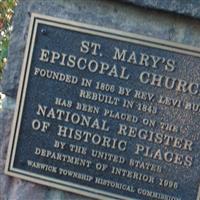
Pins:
x,y
83,28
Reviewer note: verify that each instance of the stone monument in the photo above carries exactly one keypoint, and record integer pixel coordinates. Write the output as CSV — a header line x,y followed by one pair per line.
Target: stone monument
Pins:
x,y
107,104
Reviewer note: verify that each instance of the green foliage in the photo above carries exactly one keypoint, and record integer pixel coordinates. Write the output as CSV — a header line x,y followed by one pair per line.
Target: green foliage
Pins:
x,y
6,14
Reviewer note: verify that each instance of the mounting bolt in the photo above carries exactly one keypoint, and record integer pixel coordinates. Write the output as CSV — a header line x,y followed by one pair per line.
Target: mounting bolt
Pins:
x,y
44,31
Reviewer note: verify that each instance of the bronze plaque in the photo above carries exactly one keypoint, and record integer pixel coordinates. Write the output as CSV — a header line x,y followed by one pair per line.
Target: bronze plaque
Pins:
x,y
107,114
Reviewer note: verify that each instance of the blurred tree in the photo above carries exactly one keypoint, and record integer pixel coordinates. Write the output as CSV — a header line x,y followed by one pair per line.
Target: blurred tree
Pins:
x,y
6,14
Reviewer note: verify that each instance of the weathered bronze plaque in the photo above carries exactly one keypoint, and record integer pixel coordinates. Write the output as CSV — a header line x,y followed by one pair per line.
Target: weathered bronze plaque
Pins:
x,y
107,114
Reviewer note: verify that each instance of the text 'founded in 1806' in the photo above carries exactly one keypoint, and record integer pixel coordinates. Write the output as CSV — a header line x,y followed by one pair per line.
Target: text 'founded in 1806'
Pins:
x,y
107,114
